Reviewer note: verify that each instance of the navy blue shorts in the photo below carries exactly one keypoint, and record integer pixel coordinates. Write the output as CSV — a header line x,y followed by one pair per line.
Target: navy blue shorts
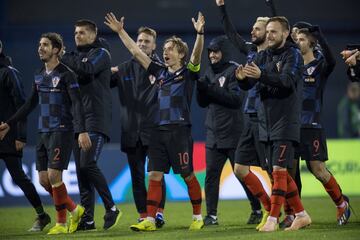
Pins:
x,y
172,147
53,150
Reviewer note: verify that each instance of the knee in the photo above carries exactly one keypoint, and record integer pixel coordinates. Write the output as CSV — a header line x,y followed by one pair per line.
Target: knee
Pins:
x,y
54,177
155,176
241,171
18,180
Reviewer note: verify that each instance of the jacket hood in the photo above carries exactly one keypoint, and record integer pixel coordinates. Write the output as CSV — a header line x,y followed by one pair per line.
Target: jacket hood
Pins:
x,y
220,43
98,43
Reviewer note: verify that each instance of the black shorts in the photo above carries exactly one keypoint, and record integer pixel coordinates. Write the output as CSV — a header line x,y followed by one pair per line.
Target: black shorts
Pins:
x,y
312,146
53,150
280,153
250,151
172,147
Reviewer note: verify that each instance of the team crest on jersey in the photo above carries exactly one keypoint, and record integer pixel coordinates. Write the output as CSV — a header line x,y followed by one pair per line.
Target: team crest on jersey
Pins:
x,y
221,81
310,70
278,66
55,81
84,60
152,79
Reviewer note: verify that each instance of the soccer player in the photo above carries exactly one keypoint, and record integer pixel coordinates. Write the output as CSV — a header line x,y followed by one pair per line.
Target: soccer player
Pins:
x,y
280,82
219,92
171,144
56,91
312,147
249,151
91,63
137,95
12,97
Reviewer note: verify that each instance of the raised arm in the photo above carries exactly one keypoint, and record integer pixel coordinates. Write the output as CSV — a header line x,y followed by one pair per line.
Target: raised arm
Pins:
x,y
328,55
118,27
229,29
199,42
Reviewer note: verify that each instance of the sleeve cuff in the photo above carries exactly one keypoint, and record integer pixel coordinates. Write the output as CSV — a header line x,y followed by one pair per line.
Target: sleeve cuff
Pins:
x,y
193,68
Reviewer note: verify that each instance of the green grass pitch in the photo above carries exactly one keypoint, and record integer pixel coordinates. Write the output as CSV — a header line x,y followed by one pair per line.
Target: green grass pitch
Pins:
x,y
14,222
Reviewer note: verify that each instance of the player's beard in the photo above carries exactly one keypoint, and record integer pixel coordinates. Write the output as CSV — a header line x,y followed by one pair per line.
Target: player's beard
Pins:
x,y
259,40
276,45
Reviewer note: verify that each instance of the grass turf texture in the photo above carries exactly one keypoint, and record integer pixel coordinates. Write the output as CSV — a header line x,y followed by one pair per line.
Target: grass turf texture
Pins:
x,y
14,222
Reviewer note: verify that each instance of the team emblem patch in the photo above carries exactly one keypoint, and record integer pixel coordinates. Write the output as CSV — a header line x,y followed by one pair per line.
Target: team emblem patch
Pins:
x,y
310,70
152,79
278,66
222,81
84,60
55,81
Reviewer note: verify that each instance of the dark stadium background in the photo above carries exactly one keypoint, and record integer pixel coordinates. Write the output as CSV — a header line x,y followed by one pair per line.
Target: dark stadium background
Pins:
x,y
22,22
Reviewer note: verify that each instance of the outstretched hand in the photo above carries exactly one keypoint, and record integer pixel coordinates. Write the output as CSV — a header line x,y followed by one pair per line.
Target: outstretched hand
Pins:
x,y
199,23
113,23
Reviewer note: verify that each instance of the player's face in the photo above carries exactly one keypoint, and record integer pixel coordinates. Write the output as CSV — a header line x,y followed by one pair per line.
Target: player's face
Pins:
x,y
215,56
258,33
294,32
146,43
84,36
46,50
171,55
275,35
303,43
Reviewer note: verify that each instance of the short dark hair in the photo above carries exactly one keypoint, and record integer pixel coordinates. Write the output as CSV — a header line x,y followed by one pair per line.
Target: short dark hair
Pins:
x,y
282,20
181,46
308,34
55,39
148,31
87,23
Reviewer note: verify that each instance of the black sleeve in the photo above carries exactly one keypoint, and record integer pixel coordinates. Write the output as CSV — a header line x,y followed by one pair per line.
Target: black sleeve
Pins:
x,y
26,108
289,72
329,63
96,61
16,91
230,97
154,68
201,89
76,102
231,33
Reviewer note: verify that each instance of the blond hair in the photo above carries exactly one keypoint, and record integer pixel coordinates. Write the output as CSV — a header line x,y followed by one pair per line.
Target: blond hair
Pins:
x,y
262,19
